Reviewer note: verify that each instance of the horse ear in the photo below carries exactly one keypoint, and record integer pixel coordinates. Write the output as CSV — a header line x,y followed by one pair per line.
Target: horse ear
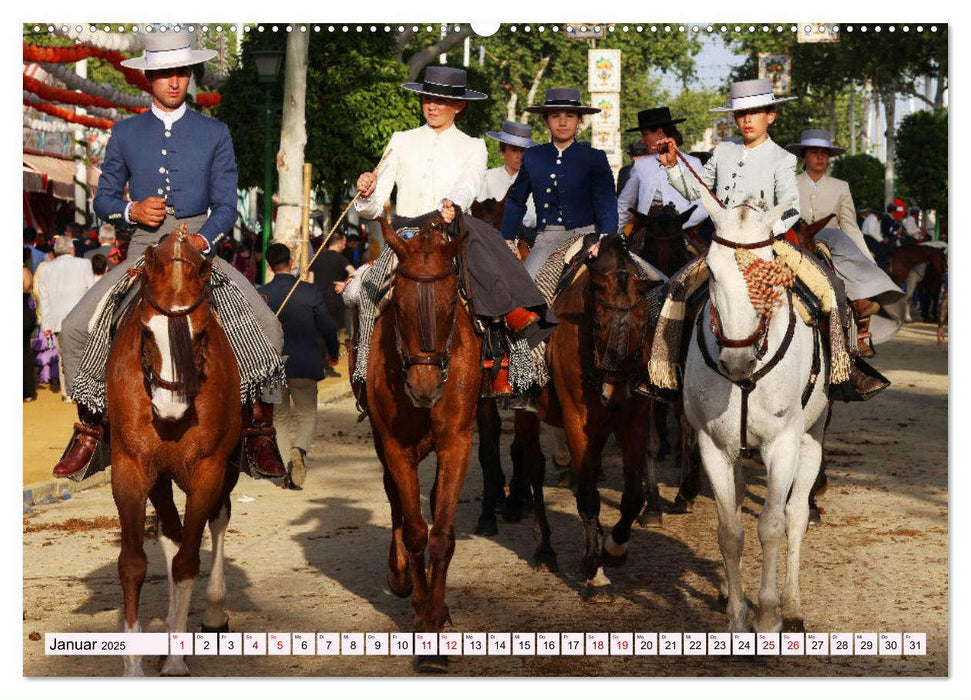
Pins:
x,y
686,214
395,241
712,206
775,213
205,270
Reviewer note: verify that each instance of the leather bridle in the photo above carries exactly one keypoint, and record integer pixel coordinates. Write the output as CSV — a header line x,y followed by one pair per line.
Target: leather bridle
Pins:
x,y
427,326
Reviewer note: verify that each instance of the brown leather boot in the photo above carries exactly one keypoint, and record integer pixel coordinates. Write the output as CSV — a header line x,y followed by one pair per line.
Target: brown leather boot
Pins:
x,y
863,309
88,432
260,438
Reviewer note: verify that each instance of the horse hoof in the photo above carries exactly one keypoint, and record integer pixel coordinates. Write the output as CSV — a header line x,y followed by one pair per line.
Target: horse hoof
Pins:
x,y
224,627
513,512
431,664
598,595
564,480
793,624
174,669
650,518
815,516
401,592
682,504
546,561
487,527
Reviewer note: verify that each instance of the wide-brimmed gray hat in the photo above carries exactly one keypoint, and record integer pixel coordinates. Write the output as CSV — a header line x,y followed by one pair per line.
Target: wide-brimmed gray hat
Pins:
x,y
445,81
168,50
815,138
751,94
562,100
514,134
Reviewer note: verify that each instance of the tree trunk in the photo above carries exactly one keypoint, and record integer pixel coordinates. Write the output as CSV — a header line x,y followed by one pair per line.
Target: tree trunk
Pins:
x,y
866,136
941,87
293,139
531,95
422,58
831,105
889,109
852,113
511,106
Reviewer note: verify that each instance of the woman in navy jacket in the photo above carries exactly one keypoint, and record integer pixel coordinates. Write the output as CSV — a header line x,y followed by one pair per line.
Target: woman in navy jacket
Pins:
x,y
571,182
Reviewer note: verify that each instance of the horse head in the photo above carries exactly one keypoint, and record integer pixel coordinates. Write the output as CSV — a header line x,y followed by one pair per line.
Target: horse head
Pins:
x,y
490,211
425,304
174,314
659,237
619,319
743,282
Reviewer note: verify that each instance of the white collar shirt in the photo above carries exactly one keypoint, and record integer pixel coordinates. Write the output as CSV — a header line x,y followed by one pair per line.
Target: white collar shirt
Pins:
x,y
648,182
871,227
495,185
169,118
428,167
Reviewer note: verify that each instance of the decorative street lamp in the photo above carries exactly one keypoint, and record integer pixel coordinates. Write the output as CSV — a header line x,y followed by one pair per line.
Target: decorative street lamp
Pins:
x,y
268,63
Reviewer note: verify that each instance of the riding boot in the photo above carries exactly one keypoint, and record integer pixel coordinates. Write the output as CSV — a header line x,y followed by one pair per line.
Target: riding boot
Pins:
x,y
259,436
88,432
863,309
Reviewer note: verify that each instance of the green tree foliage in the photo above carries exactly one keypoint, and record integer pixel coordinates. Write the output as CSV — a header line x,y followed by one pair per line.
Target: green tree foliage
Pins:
x,y
922,159
695,106
865,175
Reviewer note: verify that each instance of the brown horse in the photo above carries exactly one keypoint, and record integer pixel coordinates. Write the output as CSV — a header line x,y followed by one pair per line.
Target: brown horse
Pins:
x,y
660,239
174,415
423,380
906,258
595,354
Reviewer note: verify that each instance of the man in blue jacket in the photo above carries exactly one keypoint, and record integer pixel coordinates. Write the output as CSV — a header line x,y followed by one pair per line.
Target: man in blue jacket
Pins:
x,y
303,318
179,168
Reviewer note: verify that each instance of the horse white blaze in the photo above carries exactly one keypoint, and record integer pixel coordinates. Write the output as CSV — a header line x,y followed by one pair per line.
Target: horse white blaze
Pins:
x,y
168,405
215,615
133,664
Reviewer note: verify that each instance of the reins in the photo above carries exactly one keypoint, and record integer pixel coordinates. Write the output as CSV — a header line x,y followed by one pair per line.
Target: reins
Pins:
x,y
427,327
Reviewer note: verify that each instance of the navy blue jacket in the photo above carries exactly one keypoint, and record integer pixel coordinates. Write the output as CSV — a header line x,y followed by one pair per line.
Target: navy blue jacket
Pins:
x,y
304,316
192,165
573,191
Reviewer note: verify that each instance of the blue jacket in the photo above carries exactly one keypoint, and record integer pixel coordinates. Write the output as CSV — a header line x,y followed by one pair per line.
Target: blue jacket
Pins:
x,y
304,316
573,191
192,165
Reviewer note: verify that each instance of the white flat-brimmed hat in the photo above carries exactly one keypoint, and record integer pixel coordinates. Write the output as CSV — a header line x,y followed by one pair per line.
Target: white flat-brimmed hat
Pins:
x,y
445,81
514,134
751,94
815,138
168,50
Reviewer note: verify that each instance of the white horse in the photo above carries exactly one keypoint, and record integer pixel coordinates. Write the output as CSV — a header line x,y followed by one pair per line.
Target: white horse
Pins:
x,y
744,346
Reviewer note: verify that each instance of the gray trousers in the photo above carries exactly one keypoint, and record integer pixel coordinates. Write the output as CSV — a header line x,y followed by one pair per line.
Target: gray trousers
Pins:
x,y
300,419
74,329
547,241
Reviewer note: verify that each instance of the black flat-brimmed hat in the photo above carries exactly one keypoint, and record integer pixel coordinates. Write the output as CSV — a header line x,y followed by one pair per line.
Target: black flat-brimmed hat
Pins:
x,y
562,100
650,119
815,138
514,134
444,81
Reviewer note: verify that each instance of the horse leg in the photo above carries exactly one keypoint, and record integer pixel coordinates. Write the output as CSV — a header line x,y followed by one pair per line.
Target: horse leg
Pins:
x,y
130,493
586,452
781,457
690,462
170,532
414,531
561,459
661,425
215,618
534,465
731,535
633,447
204,495
519,484
821,482
656,423
493,481
797,520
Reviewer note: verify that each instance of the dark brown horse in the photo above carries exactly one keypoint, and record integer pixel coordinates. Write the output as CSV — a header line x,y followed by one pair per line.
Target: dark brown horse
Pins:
x,y
906,258
660,239
423,381
595,354
174,415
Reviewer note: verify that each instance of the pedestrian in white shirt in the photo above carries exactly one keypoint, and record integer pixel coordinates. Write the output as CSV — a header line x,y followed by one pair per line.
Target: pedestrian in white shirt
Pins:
x,y
440,170
648,189
911,227
60,285
514,139
873,236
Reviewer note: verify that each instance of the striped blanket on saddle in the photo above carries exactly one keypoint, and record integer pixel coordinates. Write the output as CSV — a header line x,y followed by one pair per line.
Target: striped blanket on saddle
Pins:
x,y
260,366
664,367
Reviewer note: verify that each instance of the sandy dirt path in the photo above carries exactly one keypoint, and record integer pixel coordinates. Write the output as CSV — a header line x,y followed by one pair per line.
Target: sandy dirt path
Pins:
x,y
315,560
